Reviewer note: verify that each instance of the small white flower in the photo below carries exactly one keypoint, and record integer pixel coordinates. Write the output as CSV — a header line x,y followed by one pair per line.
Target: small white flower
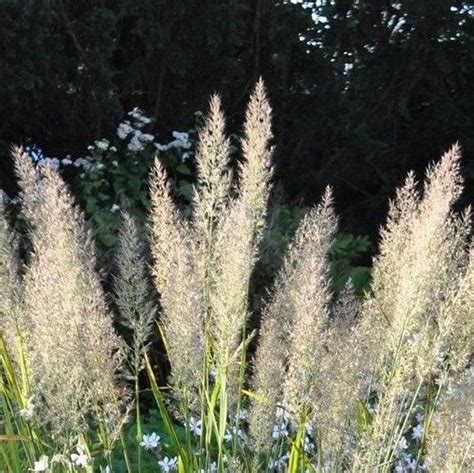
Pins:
x,y
28,411
279,462
80,458
242,435
242,414
161,147
402,445
417,432
227,436
308,445
279,431
135,144
420,417
372,408
124,129
102,144
66,162
146,137
115,208
212,372
84,163
282,413
179,135
151,441
212,468
181,140
411,464
168,464
195,426
42,464
140,116
399,468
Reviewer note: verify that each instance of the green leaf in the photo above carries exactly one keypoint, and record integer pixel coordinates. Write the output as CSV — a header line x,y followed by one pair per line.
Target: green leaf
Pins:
x,y
183,169
364,417
186,189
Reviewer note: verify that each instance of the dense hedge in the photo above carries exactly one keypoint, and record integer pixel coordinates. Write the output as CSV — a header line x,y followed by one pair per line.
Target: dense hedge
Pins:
x,y
363,93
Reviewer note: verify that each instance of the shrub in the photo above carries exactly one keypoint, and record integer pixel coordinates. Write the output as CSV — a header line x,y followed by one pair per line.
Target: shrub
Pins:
x,y
337,382
112,174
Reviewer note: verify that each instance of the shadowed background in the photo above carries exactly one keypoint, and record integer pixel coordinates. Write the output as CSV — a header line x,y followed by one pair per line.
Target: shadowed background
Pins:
x,y
362,91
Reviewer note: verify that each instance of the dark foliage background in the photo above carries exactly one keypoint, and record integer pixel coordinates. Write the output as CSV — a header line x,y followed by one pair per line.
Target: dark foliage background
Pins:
x,y
362,90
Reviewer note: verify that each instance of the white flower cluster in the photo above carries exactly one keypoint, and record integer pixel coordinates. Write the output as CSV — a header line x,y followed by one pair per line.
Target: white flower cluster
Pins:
x,y
279,464
42,464
52,163
181,141
152,442
102,145
78,459
130,130
84,163
38,156
405,461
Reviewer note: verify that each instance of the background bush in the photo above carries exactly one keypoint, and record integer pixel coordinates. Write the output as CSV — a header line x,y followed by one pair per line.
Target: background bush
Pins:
x,y
362,94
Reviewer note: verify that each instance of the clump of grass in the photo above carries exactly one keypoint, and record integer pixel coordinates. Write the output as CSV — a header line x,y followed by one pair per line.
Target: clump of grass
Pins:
x,y
423,261
11,303
203,266
71,356
449,445
380,382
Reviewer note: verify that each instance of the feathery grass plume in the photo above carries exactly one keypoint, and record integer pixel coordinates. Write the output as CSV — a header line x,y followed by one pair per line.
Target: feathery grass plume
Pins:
x,y
133,292
212,194
177,280
343,379
345,370
451,436
238,235
30,178
255,171
12,324
213,174
74,352
293,320
454,340
136,306
310,292
421,251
